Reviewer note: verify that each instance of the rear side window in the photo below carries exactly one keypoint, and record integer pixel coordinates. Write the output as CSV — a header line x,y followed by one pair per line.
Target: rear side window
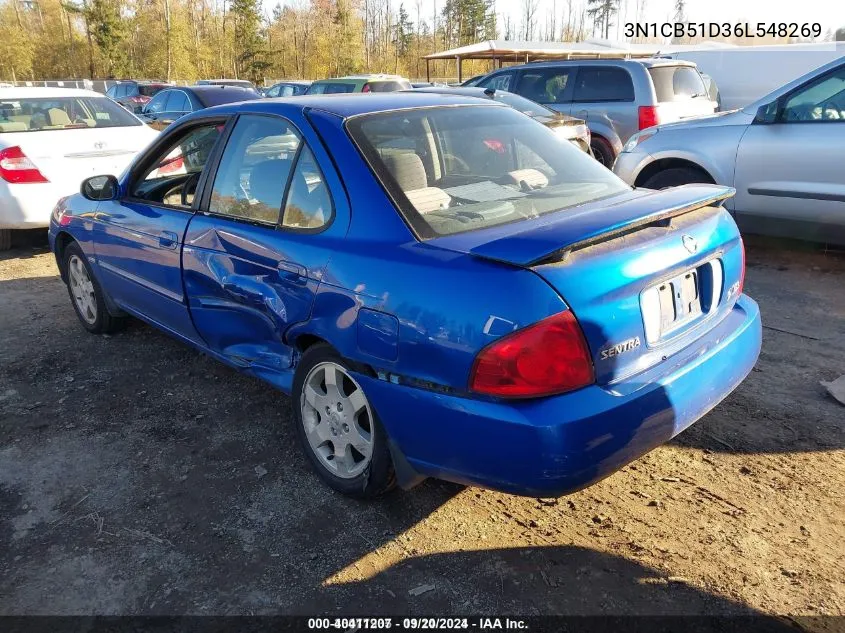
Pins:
x,y
545,85
597,84
149,91
677,83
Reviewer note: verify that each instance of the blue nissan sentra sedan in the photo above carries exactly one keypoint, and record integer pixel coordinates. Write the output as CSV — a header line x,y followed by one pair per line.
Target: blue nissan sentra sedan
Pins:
x,y
443,286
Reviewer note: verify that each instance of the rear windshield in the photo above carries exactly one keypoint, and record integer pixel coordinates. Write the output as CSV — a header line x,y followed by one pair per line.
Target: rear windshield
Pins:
x,y
63,113
150,91
389,86
463,168
330,88
230,95
526,106
677,83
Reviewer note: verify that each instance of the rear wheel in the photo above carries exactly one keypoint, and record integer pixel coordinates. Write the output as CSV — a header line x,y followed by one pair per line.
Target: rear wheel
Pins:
x,y
602,151
676,176
338,428
5,239
86,295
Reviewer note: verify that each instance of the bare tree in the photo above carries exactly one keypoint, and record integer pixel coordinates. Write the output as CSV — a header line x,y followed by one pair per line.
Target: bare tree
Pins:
x,y
529,13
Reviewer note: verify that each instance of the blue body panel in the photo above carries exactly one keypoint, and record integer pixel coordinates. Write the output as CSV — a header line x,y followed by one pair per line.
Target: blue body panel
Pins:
x,y
416,314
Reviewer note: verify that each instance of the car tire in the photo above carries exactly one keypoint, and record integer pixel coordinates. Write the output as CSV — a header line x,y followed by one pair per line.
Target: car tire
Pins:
x,y
676,176
86,294
602,151
5,239
322,385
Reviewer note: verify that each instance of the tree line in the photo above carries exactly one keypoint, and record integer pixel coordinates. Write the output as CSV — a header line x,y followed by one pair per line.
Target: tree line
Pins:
x,y
191,39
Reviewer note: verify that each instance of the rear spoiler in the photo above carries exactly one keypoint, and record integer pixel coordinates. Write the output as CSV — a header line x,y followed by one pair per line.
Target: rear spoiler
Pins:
x,y
553,237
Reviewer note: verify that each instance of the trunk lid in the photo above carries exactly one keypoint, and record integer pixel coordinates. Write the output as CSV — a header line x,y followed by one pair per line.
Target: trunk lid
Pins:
x,y
645,275
69,156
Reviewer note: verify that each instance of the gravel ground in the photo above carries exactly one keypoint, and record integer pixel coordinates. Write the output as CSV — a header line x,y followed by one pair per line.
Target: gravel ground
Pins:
x,y
138,476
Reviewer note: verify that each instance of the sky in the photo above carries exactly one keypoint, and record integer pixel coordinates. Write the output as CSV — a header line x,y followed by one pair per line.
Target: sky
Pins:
x,y
829,13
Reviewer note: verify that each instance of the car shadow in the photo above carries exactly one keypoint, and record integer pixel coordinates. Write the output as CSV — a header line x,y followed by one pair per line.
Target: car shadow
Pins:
x,y
26,244
527,581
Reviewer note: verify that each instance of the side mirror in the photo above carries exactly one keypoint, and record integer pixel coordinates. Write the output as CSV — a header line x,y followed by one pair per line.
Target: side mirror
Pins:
x,y
768,113
99,188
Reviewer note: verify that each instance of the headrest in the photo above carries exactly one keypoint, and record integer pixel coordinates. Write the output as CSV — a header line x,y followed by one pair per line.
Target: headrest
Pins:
x,y
267,181
408,170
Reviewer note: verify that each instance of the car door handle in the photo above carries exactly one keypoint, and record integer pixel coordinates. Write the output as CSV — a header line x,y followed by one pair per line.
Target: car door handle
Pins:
x,y
168,239
291,270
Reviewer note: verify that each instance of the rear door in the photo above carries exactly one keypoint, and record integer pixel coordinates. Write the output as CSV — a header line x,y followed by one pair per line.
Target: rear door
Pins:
x,y
139,236
681,93
604,97
254,259
791,171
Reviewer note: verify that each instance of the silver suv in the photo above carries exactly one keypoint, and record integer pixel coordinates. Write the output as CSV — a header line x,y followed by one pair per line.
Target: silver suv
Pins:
x,y
617,97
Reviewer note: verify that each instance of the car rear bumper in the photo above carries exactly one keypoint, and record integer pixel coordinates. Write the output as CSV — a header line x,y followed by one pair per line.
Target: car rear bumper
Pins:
x,y
553,446
29,206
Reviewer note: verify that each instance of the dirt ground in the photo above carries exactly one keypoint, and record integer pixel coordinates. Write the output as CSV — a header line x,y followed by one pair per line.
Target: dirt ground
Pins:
x,y
138,476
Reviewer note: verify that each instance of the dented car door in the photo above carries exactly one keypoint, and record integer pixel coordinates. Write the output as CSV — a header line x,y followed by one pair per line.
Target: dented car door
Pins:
x,y
252,260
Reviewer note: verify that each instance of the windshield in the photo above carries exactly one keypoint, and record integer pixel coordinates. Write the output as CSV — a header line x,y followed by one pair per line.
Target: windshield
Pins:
x,y
463,168
62,113
330,88
526,106
150,90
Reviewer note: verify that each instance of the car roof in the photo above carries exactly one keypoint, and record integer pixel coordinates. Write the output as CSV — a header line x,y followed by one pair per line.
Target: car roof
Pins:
x,y
647,62
295,82
464,91
347,105
27,92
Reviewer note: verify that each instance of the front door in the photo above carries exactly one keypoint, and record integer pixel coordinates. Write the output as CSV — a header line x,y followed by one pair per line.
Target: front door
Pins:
x,y
790,178
139,235
253,259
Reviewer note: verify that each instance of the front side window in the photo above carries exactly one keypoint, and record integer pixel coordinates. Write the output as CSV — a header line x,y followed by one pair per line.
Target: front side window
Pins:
x,y
62,113
254,171
544,85
822,100
497,82
456,169
157,104
597,84
171,177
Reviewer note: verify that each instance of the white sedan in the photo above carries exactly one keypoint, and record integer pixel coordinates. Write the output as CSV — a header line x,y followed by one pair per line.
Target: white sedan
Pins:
x,y
50,140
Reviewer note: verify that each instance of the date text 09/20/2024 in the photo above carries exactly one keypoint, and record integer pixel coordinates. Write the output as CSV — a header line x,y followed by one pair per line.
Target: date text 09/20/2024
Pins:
x,y
417,623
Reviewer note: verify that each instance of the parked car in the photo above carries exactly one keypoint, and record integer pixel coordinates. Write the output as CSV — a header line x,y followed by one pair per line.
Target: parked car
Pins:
x,y
174,103
289,88
50,140
572,129
444,289
472,81
783,154
238,83
359,83
617,97
134,95
748,73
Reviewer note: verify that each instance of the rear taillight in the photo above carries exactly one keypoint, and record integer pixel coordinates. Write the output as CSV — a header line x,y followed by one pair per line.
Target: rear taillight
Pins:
x,y
16,168
649,116
139,99
543,359
366,88
172,166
